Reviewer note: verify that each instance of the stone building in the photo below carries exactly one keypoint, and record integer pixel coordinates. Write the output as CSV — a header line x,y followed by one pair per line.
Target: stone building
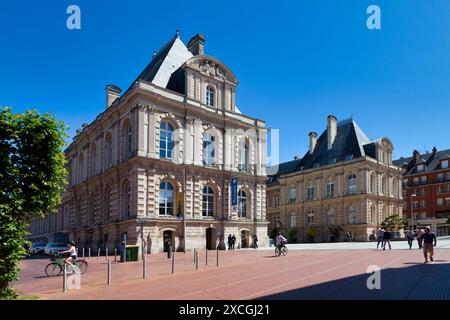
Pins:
x,y
156,165
343,181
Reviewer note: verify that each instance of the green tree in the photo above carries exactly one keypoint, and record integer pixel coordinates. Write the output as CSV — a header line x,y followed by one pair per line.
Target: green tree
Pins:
x,y
394,222
32,178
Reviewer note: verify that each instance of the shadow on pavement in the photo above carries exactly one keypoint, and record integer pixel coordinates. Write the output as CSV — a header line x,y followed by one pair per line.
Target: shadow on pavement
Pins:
x,y
416,282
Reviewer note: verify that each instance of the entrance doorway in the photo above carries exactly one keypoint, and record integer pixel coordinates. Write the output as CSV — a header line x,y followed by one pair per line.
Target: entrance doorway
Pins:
x,y
210,239
168,240
245,238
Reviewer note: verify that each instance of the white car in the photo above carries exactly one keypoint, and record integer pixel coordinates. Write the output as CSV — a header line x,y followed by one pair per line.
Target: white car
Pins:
x,y
37,248
53,247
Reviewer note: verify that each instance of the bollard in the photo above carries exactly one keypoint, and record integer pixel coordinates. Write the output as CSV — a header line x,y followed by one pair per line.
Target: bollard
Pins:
x,y
173,262
83,253
115,254
64,278
196,260
89,253
169,251
144,267
217,258
194,255
206,253
106,256
109,272
98,253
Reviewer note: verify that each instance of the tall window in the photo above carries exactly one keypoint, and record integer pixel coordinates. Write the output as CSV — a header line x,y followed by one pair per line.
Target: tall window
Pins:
x,y
93,159
352,184
210,96
310,217
352,215
127,202
242,203
166,198
243,155
293,219
209,147
208,202
310,192
330,216
109,151
330,188
129,141
293,194
165,140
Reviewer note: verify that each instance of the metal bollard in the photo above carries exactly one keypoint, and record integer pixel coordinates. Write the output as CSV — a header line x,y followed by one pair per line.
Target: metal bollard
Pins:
x,y
83,253
115,254
173,262
89,253
217,259
98,253
109,272
194,255
144,267
206,253
106,256
64,278
196,260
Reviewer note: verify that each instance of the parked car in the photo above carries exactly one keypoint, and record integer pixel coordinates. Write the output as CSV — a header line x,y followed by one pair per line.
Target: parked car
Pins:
x,y
53,247
37,248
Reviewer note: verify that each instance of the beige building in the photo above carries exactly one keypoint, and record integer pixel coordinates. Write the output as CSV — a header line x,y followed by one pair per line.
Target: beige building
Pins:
x,y
344,180
156,165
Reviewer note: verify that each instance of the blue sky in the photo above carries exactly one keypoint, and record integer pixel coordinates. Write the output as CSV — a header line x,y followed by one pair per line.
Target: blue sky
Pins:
x,y
296,61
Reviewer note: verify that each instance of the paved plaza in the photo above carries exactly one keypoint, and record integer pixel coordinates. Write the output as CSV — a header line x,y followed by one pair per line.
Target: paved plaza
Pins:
x,y
309,271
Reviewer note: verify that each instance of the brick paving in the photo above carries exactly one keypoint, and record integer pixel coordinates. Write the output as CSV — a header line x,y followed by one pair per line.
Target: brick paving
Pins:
x,y
256,274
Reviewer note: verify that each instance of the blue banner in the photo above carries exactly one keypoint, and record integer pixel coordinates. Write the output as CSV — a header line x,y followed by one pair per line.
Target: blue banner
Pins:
x,y
234,200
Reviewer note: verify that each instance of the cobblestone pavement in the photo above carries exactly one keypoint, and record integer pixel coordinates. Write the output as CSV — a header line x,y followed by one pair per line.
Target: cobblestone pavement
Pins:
x,y
256,274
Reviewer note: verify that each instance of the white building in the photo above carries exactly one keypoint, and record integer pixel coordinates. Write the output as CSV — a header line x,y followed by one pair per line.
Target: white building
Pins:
x,y
163,151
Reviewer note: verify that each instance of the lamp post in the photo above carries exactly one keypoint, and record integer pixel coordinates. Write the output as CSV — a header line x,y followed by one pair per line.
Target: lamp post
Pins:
x,y
412,208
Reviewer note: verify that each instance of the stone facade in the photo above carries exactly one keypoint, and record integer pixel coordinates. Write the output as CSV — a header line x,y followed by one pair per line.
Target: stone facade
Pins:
x,y
120,161
356,194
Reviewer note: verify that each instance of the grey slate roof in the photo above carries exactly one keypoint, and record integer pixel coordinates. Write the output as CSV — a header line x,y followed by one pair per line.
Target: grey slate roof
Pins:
x,y
431,163
350,143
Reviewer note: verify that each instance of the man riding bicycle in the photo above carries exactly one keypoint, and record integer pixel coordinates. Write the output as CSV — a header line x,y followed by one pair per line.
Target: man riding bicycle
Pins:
x,y
72,253
280,241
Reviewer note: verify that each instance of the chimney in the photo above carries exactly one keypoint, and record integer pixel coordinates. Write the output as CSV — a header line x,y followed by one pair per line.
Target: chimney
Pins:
x,y
197,45
416,156
434,152
331,130
112,93
312,141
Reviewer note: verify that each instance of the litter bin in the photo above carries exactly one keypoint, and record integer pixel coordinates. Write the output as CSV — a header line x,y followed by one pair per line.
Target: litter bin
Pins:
x,y
132,253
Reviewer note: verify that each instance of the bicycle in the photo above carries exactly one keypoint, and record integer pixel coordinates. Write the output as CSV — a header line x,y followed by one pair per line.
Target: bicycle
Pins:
x,y
55,267
281,251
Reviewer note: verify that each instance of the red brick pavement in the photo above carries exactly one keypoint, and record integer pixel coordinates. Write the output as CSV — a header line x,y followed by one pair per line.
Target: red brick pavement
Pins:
x,y
325,274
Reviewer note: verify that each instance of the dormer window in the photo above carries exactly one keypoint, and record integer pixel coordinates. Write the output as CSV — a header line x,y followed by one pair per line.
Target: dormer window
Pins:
x,y
420,168
209,96
444,164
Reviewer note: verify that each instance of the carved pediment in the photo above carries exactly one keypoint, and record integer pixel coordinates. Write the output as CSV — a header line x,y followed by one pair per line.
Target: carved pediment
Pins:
x,y
212,67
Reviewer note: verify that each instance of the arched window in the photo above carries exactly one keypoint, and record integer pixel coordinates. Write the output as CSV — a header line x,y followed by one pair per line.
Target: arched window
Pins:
x,y
208,202
109,151
209,96
352,215
310,217
165,140
166,198
81,168
242,203
129,141
209,147
352,184
310,192
384,186
330,188
243,155
93,159
330,216
373,189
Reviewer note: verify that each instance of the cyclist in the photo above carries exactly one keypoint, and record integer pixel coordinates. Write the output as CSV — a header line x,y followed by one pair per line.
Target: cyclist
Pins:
x,y
72,253
280,241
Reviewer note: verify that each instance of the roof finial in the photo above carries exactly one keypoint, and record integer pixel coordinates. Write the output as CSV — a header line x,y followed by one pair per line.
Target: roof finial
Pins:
x,y
178,32
154,53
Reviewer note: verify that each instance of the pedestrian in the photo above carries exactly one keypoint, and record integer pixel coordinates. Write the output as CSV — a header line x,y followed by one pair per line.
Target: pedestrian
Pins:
x,y
387,239
410,237
230,242
428,238
380,235
419,237
233,241
256,242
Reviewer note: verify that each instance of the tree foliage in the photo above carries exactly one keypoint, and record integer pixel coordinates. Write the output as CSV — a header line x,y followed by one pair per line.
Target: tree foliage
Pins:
x,y
32,178
394,222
